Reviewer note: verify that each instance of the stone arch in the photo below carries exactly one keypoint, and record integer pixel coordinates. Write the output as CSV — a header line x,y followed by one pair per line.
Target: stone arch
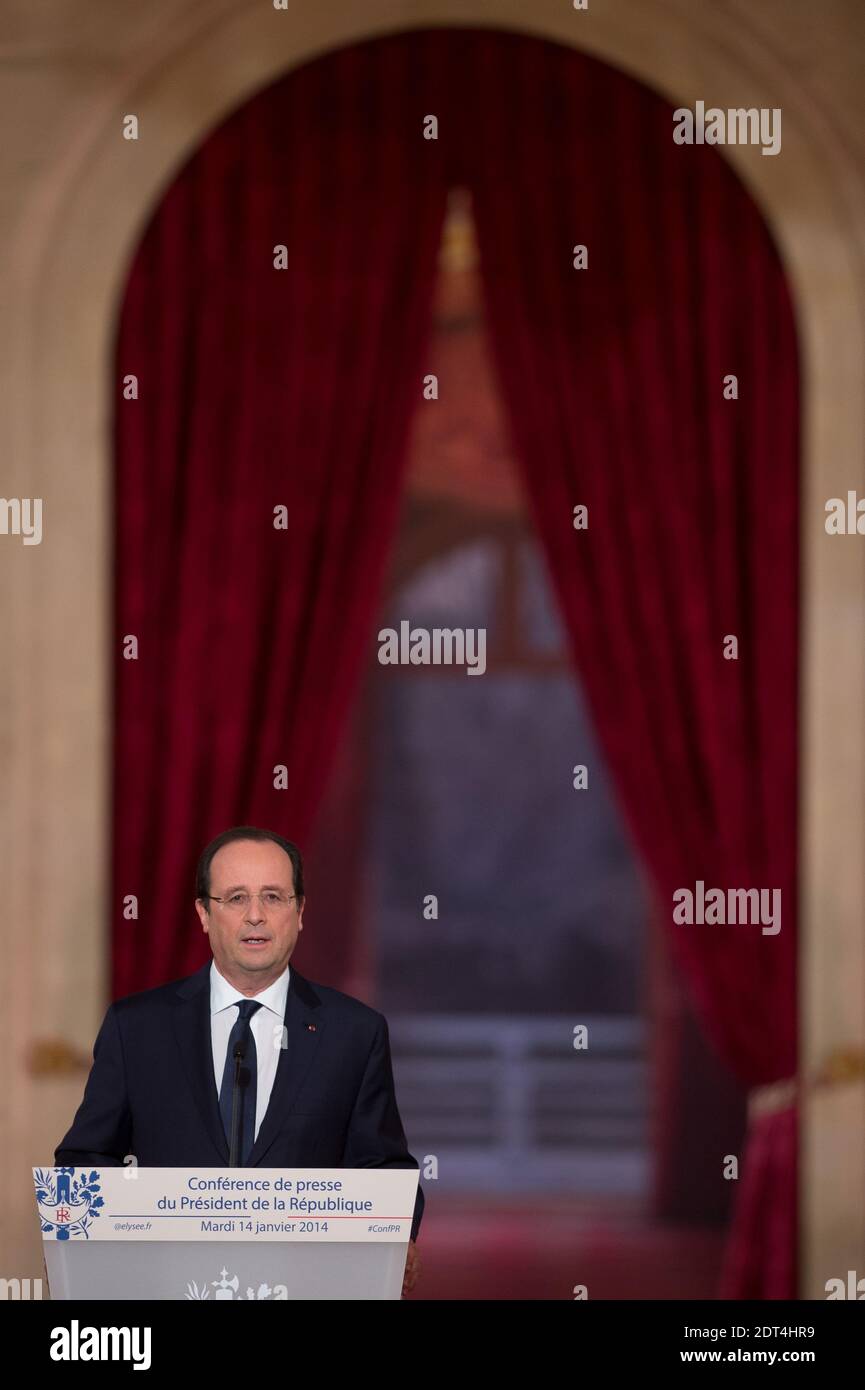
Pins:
x,y
82,210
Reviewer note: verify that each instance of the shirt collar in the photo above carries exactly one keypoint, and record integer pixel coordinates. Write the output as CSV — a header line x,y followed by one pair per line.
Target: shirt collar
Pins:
x,y
223,994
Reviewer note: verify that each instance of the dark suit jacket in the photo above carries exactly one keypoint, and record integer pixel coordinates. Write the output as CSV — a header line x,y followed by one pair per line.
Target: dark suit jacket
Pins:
x,y
151,1090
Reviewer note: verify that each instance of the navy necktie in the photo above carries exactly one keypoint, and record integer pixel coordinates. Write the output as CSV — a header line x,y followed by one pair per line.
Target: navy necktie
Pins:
x,y
247,1091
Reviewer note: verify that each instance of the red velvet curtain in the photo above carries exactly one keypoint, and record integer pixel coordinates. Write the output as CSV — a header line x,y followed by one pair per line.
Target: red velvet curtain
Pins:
x,y
613,376
260,388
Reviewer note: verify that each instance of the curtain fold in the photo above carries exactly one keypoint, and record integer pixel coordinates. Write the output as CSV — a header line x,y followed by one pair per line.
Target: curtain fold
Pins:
x,y
260,388
613,377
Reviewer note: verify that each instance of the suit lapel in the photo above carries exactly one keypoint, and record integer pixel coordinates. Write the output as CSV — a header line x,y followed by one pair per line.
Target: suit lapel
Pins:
x,y
303,1029
192,1031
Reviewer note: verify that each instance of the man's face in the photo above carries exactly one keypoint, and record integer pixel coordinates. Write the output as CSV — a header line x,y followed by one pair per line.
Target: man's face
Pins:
x,y
251,947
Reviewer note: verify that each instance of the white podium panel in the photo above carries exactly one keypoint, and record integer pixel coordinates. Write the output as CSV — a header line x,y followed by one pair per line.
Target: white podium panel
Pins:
x,y
225,1234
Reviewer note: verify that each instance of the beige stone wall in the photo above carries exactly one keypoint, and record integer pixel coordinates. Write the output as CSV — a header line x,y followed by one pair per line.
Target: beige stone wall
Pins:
x,y
73,197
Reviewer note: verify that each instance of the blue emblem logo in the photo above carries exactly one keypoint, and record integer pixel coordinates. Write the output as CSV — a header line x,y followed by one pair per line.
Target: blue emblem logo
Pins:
x,y
67,1205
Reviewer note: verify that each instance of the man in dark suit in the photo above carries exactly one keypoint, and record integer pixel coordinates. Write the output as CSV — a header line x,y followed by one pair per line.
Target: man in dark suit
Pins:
x,y
317,1086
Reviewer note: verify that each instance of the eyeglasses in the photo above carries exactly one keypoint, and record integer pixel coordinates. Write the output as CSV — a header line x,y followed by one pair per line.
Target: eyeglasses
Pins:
x,y
239,902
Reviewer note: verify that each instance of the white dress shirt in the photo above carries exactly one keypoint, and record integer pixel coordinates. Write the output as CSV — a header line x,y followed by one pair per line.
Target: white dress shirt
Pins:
x,y
266,1023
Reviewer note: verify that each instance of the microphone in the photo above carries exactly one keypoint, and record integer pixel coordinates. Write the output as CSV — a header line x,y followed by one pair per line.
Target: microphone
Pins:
x,y
238,1054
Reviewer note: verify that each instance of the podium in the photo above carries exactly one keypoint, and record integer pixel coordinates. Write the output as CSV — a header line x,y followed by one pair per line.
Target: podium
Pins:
x,y
225,1234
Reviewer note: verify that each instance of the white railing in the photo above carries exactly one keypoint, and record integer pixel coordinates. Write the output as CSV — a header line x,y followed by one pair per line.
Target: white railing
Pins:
x,y
507,1103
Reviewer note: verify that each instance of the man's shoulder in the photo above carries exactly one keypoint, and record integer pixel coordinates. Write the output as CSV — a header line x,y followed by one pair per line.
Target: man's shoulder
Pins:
x,y
342,1005
345,1008
144,1000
